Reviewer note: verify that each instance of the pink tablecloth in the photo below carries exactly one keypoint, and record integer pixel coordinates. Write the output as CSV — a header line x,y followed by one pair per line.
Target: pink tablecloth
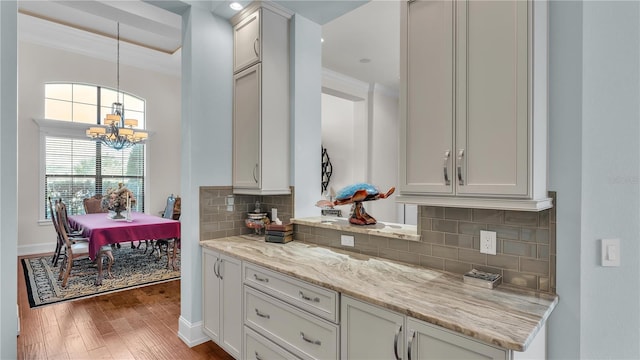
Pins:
x,y
103,231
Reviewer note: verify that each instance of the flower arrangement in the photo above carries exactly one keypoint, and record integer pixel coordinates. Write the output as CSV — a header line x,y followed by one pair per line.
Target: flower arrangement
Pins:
x,y
118,199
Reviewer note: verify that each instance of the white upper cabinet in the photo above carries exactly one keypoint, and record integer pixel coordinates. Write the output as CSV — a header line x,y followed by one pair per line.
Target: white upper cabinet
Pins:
x,y
473,104
261,125
246,40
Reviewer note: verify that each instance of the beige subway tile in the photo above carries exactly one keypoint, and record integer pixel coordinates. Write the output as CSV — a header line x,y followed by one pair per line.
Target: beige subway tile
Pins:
x,y
397,244
543,219
434,212
552,272
552,239
543,252
519,279
472,256
507,262
469,228
505,232
450,226
432,237
457,214
219,234
543,284
424,224
488,216
378,241
411,258
370,251
463,241
534,266
535,235
488,269
524,218
456,267
432,262
519,248
389,254
444,252
419,248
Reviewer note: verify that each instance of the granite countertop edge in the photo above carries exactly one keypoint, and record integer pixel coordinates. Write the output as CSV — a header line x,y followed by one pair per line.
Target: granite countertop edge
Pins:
x,y
390,230
507,317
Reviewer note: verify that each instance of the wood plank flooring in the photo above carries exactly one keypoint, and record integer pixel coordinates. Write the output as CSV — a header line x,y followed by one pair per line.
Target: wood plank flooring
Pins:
x,y
134,324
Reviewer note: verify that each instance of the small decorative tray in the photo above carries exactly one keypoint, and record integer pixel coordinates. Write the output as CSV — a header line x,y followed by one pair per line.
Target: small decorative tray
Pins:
x,y
482,279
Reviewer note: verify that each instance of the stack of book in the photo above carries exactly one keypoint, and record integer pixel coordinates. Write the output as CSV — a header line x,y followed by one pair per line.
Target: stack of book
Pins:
x,y
282,233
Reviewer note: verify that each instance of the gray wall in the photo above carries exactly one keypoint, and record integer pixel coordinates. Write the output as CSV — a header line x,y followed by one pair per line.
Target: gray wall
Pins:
x,y
594,167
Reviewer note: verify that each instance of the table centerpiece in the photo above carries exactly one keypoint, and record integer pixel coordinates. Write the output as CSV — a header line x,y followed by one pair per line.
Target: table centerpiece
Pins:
x,y
118,200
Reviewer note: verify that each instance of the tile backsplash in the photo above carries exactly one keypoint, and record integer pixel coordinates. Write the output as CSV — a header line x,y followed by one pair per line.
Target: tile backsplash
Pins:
x,y
450,241
217,222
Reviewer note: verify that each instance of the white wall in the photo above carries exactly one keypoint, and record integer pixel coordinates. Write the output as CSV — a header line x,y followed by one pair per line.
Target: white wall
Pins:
x,y
383,152
8,179
595,167
38,65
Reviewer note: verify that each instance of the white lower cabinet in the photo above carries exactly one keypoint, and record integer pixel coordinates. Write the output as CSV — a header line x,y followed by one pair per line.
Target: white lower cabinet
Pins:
x,y
257,347
222,300
371,332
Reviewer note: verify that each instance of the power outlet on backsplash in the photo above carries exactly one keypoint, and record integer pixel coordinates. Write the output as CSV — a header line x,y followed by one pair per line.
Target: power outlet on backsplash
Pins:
x,y
347,240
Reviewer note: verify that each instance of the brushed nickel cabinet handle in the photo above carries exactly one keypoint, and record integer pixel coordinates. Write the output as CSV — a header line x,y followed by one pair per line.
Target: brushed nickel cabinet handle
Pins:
x,y
305,297
258,356
262,315
413,337
215,269
260,279
445,166
219,268
460,156
395,343
255,170
314,342
255,47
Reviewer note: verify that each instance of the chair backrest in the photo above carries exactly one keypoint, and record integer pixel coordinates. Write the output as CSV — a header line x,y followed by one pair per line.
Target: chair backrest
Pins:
x,y
62,226
54,217
168,209
93,205
63,215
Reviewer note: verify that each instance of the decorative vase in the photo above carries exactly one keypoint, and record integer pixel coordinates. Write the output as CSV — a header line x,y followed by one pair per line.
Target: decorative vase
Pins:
x,y
117,214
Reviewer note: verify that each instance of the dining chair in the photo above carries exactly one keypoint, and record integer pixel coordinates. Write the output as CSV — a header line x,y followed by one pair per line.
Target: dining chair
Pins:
x,y
78,250
75,236
171,211
93,205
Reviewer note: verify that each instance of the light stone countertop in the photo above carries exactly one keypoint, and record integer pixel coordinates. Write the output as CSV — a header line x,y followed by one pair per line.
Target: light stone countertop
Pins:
x,y
507,317
397,231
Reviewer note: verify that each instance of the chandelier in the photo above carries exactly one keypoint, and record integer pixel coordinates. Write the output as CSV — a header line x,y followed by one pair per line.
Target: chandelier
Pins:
x,y
118,132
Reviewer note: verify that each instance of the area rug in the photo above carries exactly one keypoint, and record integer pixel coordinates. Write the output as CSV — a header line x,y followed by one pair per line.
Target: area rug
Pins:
x,y
132,268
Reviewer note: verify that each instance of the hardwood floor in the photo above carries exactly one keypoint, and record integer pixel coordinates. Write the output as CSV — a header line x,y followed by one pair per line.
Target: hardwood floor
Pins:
x,y
134,324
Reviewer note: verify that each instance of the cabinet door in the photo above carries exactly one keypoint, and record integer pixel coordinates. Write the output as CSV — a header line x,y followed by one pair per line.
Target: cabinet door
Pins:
x,y
247,42
230,271
492,97
370,332
246,128
211,295
427,127
426,341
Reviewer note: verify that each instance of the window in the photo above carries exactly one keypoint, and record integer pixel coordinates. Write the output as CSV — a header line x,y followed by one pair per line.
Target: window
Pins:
x,y
76,167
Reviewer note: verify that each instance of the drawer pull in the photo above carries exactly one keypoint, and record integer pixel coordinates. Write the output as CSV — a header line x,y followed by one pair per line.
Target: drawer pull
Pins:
x,y
411,338
314,342
266,316
260,279
395,343
258,356
305,297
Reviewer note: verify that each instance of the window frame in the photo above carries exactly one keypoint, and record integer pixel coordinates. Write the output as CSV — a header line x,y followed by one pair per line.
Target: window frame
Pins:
x,y
76,131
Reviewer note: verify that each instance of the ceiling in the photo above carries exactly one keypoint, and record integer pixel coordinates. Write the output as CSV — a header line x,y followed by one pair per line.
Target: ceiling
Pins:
x,y
150,31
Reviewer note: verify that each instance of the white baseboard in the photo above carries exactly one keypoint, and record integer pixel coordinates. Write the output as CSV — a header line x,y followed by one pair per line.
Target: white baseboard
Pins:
x,y
191,333
33,249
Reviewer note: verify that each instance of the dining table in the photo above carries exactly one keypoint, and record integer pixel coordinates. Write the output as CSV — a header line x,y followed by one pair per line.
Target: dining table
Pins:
x,y
102,230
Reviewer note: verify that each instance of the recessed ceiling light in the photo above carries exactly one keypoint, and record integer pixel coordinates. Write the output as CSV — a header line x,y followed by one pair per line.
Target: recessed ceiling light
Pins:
x,y
321,40
365,60
235,6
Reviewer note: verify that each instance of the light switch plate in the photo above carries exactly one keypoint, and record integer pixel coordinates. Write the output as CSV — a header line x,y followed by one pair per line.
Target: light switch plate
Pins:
x,y
610,252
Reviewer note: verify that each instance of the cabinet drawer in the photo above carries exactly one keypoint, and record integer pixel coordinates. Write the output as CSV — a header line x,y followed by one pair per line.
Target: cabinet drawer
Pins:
x,y
257,347
309,297
297,331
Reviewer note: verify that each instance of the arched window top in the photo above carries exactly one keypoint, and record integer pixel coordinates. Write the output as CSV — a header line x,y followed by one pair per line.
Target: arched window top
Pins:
x,y
89,104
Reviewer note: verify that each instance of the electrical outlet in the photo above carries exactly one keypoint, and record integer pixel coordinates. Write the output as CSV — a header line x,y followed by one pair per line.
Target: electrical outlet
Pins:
x,y
488,242
347,240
